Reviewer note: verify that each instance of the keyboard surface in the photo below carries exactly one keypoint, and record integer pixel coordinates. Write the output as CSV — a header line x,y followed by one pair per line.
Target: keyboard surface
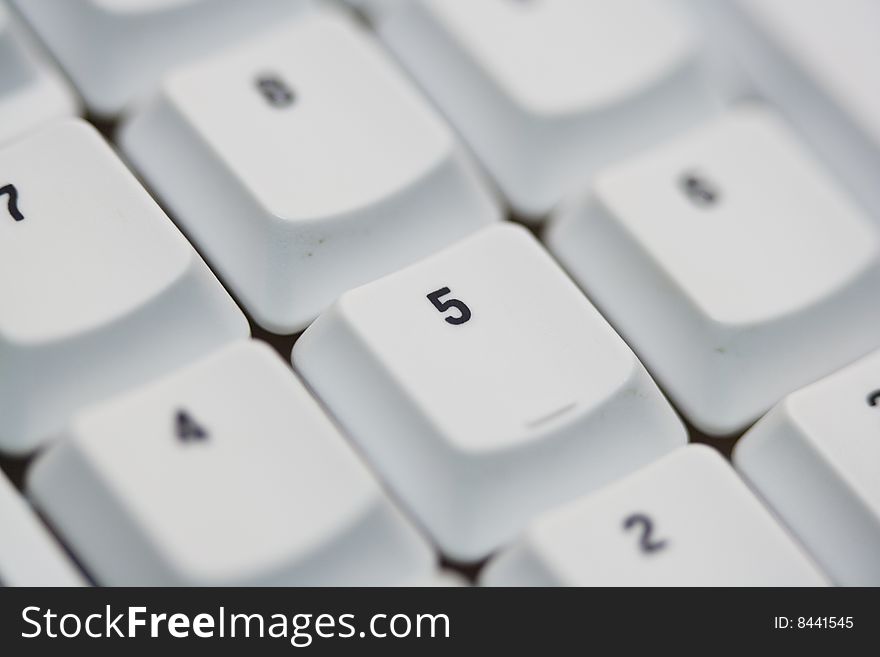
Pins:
x,y
439,292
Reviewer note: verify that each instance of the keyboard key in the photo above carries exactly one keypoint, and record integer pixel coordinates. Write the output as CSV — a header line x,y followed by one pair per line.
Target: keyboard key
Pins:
x,y
304,165
546,92
99,290
116,51
815,61
225,473
686,520
29,556
31,90
815,458
731,263
484,388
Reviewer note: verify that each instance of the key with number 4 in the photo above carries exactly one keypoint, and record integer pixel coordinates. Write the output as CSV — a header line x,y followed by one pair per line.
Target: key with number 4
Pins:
x,y
225,473
98,290
815,458
485,388
687,520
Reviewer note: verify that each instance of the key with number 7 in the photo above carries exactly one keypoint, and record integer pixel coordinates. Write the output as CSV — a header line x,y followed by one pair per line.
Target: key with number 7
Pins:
x,y
485,388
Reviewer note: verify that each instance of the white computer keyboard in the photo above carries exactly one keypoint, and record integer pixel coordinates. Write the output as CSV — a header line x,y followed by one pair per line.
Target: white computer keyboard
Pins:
x,y
511,257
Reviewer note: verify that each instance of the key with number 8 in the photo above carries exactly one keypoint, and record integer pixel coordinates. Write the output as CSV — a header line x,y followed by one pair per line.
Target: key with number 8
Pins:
x,y
304,164
485,388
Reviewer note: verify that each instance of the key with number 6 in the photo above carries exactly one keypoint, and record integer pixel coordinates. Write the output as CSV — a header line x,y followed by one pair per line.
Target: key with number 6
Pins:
x,y
485,388
687,520
732,262
225,473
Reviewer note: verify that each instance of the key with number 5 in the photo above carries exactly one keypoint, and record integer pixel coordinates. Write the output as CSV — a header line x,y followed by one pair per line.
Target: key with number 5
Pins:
x,y
485,388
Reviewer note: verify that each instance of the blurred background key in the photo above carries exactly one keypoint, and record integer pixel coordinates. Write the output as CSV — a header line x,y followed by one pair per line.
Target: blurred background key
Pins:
x,y
29,554
98,290
115,51
32,91
303,164
816,60
547,91
225,473
815,459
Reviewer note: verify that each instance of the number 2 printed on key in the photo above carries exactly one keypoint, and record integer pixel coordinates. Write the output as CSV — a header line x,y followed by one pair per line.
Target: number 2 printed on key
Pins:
x,y
12,201
646,542
435,298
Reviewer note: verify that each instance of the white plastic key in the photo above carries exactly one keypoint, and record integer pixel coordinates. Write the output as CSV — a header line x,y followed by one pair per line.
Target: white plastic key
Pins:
x,y
225,473
304,165
29,555
687,520
817,61
732,264
546,92
31,90
116,51
485,388
98,290
815,458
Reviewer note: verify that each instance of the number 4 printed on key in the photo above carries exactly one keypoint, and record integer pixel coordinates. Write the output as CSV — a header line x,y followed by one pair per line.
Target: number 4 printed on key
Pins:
x,y
12,202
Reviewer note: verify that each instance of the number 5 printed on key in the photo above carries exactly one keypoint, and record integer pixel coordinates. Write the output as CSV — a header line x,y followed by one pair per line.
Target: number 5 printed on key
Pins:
x,y
436,299
12,202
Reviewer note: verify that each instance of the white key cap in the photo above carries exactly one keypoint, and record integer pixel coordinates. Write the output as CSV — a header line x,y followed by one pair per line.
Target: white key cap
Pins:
x,y
98,289
304,165
687,520
817,61
545,92
31,90
485,388
29,555
816,459
116,51
727,259
225,473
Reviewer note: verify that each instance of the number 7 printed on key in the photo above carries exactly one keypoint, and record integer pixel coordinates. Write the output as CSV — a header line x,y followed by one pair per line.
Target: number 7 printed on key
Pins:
x,y
12,203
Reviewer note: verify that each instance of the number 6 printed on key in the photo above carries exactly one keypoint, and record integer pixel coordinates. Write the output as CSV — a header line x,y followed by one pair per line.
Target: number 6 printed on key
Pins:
x,y
12,202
